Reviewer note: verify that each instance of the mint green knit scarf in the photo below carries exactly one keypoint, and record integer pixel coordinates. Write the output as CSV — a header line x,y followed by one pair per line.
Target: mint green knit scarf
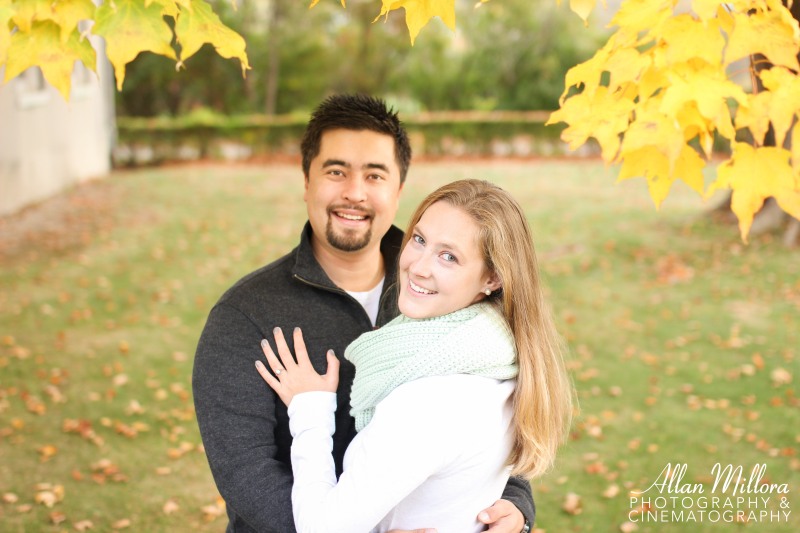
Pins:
x,y
474,340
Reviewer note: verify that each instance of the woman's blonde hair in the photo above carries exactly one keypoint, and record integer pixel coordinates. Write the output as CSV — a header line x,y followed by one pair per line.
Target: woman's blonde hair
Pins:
x,y
544,393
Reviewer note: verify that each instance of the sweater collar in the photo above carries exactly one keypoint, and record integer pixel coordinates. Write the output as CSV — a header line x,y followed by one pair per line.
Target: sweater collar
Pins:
x,y
308,268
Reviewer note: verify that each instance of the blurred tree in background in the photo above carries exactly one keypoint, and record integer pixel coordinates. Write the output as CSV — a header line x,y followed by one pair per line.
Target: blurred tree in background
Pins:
x,y
507,55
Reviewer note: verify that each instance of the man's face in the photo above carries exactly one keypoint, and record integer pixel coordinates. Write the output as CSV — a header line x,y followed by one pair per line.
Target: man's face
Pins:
x,y
352,189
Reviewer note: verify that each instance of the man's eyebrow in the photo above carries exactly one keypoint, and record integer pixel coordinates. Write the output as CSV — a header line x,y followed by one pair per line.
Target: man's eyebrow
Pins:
x,y
379,166
335,163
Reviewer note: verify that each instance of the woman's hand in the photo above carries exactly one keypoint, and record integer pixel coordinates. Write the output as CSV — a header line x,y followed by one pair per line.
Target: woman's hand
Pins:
x,y
294,378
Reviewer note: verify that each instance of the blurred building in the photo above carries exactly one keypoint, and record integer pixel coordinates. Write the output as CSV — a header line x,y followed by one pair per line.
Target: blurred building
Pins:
x,y
47,144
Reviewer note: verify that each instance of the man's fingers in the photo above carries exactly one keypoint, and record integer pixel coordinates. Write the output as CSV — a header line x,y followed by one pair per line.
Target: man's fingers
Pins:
x,y
497,511
502,517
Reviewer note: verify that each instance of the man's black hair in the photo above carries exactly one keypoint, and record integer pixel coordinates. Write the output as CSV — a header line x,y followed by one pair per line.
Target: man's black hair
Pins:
x,y
355,112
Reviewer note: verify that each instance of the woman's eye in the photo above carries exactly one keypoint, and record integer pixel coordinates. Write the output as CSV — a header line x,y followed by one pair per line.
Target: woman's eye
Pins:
x,y
418,239
450,258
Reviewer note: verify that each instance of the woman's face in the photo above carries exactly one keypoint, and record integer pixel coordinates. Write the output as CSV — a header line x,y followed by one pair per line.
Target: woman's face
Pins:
x,y
441,267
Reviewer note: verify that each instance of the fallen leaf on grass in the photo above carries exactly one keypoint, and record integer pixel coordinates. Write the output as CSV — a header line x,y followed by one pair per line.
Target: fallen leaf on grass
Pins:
x,y
48,495
104,470
572,504
82,428
46,452
134,408
56,517
628,527
121,524
780,376
611,491
213,511
83,525
170,507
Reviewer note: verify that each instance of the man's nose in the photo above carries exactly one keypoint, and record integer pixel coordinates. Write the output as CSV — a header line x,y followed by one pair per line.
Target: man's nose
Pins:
x,y
355,189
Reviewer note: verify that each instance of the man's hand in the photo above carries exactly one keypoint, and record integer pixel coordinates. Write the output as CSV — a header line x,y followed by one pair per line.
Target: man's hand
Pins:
x,y
502,517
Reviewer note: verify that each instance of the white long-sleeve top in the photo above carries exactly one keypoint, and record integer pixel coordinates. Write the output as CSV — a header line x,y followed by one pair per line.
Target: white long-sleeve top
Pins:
x,y
433,455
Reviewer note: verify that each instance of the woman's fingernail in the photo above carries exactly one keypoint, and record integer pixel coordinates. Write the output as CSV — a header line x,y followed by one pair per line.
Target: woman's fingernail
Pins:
x,y
296,329
276,330
330,352
259,365
264,343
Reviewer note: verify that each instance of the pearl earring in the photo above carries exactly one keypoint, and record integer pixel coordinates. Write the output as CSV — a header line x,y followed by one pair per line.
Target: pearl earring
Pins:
x,y
488,292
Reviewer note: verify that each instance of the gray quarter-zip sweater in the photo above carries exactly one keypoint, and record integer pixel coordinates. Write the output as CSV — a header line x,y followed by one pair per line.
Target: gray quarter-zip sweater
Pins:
x,y
244,425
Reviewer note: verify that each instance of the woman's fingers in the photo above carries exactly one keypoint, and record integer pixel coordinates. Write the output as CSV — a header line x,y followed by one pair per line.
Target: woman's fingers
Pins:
x,y
300,348
272,360
332,375
283,348
269,378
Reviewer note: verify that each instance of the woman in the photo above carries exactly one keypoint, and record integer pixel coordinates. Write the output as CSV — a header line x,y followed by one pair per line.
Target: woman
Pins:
x,y
467,385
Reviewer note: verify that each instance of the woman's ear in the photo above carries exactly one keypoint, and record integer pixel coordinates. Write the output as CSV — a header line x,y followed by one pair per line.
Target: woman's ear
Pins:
x,y
494,282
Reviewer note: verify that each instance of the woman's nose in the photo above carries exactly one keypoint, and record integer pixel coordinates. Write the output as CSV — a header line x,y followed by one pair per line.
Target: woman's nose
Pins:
x,y
421,266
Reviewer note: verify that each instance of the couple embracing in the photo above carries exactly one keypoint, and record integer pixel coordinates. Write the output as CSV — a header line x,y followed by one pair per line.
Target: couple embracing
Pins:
x,y
402,381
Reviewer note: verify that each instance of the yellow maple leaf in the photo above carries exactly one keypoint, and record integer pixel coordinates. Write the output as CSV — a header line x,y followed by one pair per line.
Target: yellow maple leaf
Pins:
x,y
651,127
708,88
67,14
30,11
5,36
784,102
41,45
649,161
753,114
201,25
602,115
685,38
419,12
625,65
129,28
755,174
315,2
582,8
642,15
695,125
587,74
706,9
796,147
769,33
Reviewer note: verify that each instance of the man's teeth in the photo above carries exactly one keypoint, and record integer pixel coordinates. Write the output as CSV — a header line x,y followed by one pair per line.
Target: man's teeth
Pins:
x,y
351,217
419,289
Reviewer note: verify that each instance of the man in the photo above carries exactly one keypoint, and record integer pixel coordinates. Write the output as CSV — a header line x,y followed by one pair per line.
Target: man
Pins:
x,y
337,284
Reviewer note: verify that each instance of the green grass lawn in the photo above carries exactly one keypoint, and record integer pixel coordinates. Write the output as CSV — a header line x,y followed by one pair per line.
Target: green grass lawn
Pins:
x,y
684,341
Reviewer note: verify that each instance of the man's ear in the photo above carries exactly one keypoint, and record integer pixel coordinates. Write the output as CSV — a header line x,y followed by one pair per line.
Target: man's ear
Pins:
x,y
305,187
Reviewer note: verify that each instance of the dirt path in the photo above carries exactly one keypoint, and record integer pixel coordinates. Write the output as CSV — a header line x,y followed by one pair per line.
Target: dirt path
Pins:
x,y
67,220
